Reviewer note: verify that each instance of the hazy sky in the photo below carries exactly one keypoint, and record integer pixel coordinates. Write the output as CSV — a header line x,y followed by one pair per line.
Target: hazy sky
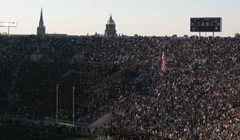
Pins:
x,y
143,17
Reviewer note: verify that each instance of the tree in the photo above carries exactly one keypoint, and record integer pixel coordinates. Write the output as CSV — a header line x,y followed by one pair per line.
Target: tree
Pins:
x,y
237,35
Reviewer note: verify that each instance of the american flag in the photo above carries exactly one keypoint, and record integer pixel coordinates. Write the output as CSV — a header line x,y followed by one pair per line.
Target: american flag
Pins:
x,y
163,62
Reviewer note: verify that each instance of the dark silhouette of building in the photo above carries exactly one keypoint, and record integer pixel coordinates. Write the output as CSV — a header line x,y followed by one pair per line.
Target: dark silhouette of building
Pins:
x,y
110,27
41,27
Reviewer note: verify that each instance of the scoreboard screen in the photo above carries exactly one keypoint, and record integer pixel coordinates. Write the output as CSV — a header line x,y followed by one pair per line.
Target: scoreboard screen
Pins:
x,y
8,24
206,24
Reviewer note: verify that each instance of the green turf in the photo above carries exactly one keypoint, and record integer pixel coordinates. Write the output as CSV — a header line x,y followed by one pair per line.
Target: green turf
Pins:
x,y
13,133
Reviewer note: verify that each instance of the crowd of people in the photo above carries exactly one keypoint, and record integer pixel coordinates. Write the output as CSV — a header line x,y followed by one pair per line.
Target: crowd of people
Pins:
x,y
196,98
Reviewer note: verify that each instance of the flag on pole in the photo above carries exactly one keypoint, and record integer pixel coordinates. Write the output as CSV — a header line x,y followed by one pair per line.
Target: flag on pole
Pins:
x,y
163,62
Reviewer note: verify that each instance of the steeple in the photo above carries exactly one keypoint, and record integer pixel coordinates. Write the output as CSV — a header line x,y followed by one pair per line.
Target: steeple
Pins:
x,y
41,23
41,27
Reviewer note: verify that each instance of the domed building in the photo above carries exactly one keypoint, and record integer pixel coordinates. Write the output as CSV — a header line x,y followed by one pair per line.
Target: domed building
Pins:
x,y
110,27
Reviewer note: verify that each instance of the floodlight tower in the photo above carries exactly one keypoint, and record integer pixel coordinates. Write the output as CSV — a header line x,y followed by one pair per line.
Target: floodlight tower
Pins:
x,y
8,25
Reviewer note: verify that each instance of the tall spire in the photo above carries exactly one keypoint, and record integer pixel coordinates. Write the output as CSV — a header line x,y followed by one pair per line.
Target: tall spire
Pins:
x,y
41,23
41,27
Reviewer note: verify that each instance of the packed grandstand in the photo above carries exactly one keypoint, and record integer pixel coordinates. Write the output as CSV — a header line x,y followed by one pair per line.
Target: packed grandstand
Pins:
x,y
198,97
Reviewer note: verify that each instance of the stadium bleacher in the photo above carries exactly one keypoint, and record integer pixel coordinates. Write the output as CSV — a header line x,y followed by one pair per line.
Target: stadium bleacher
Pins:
x,y
197,98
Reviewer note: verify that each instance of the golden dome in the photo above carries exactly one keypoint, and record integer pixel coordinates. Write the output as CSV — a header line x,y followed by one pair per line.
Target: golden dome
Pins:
x,y
110,20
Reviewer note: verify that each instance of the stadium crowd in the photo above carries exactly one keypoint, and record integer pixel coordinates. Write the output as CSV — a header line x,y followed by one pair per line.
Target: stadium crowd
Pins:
x,y
196,98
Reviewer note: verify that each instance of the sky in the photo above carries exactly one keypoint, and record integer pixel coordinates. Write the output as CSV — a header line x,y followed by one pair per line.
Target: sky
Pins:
x,y
142,17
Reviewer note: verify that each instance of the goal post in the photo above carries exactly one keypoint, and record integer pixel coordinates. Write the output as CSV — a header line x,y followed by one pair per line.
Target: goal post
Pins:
x,y
73,108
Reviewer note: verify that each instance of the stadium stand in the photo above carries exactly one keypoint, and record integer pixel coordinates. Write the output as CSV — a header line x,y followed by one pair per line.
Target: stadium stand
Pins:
x,y
198,96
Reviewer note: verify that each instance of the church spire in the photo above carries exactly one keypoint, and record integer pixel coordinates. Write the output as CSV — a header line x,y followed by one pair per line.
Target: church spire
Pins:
x,y
41,27
41,23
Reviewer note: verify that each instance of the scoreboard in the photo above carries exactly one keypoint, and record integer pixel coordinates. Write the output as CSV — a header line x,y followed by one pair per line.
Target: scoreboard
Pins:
x,y
8,24
213,24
